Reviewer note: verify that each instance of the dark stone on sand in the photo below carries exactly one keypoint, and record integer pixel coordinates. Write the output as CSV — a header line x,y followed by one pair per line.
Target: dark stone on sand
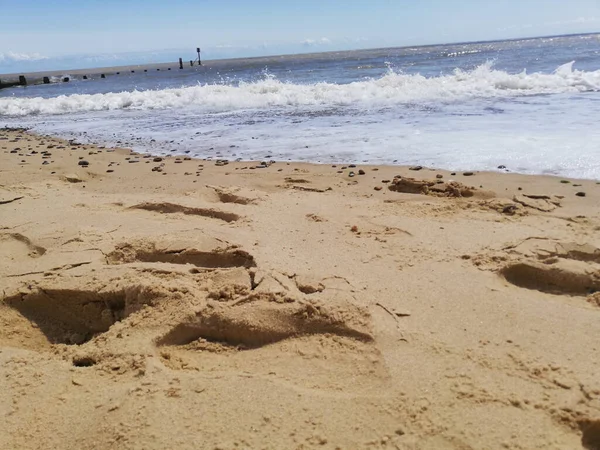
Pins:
x,y
468,174
453,173
133,161
13,151
416,168
501,167
352,166
386,181
83,162
361,172
439,176
109,171
580,194
378,188
157,159
509,209
351,174
45,163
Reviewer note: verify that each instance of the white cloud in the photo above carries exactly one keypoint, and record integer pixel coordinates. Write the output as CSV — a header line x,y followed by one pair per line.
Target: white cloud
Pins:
x,y
578,20
14,57
315,42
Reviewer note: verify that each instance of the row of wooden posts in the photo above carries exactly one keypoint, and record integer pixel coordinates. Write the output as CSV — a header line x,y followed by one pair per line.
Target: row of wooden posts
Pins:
x,y
46,80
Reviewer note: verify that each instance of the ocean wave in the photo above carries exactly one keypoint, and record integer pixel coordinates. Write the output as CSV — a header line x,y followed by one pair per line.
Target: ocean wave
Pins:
x,y
393,88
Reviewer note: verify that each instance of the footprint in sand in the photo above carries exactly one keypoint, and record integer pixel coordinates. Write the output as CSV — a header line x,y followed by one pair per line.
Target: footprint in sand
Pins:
x,y
172,208
554,267
16,247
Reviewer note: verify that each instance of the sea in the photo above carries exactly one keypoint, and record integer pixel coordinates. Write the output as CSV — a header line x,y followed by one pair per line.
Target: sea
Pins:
x,y
531,106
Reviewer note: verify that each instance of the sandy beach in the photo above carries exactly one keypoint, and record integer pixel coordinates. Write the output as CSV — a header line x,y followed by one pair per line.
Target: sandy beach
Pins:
x,y
169,302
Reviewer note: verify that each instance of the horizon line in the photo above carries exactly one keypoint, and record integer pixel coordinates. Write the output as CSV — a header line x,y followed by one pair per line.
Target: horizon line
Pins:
x,y
527,38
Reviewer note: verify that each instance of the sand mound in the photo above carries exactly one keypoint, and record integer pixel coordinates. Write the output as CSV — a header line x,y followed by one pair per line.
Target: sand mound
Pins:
x,y
259,323
233,195
210,255
434,188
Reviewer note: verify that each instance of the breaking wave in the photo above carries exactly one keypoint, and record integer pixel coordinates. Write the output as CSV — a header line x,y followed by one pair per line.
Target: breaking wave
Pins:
x,y
392,88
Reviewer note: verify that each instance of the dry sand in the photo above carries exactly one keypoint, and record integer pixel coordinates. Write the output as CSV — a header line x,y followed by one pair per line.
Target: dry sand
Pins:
x,y
183,304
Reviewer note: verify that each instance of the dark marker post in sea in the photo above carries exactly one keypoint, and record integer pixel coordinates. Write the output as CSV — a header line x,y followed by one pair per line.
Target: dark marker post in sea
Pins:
x,y
8,81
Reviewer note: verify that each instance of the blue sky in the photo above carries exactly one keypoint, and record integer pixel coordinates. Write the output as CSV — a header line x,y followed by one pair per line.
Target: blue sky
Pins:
x,y
42,33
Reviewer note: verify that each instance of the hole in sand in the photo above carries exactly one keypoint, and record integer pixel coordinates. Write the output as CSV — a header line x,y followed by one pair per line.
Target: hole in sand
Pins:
x,y
551,279
172,208
71,317
591,434
255,325
84,361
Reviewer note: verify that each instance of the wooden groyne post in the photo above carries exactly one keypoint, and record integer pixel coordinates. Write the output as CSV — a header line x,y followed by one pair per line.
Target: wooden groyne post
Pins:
x,y
8,84
181,63
22,80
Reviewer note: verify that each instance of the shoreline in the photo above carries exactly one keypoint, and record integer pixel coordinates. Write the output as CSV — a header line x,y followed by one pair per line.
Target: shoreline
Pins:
x,y
397,308
497,177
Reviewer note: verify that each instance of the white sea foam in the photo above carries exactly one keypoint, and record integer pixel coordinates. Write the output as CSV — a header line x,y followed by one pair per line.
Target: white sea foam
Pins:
x,y
391,89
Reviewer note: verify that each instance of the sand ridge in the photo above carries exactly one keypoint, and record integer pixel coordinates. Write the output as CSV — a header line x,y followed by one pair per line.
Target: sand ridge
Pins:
x,y
251,305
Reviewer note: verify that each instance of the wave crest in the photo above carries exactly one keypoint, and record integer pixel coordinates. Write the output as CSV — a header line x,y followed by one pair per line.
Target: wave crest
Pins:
x,y
393,88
